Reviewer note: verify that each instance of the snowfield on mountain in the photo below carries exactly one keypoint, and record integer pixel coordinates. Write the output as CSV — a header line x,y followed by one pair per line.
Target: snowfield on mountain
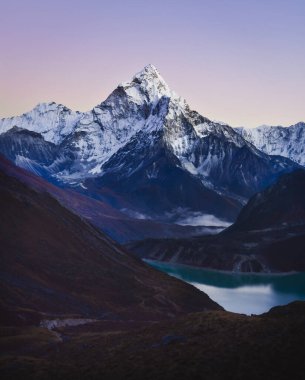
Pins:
x,y
284,141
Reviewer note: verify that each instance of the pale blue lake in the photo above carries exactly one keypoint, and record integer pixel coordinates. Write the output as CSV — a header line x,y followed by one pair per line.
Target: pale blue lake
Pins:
x,y
240,293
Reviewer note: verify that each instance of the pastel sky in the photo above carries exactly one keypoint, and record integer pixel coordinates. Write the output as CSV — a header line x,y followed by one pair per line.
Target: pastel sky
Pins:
x,y
238,61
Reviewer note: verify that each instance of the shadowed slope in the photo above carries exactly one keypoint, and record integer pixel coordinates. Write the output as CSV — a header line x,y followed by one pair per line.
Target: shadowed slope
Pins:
x,y
269,235
55,263
279,205
119,226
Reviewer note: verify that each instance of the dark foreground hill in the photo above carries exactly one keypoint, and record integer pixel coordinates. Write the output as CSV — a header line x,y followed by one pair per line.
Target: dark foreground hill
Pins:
x,y
214,345
55,264
268,235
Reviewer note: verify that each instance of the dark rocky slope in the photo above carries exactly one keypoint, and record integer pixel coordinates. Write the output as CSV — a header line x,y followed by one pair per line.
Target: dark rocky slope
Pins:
x,y
269,235
55,264
280,205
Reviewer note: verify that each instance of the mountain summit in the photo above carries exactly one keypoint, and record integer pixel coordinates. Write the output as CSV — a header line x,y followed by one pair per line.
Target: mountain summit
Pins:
x,y
143,150
151,82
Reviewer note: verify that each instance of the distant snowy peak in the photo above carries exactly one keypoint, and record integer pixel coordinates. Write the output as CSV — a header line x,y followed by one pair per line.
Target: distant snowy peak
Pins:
x,y
53,121
277,140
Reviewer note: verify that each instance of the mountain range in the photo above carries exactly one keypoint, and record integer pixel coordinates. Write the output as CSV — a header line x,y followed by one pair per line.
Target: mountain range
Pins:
x,y
284,141
142,165
144,152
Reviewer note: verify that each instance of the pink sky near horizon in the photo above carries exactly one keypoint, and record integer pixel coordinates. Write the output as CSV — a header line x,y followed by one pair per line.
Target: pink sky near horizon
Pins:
x,y
241,62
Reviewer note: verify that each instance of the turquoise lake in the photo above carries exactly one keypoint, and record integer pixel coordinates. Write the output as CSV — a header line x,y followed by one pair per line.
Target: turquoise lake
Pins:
x,y
240,293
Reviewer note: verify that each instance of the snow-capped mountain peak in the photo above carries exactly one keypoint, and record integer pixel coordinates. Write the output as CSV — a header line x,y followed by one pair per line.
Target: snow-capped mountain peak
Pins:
x,y
277,140
149,73
145,135
48,106
53,121
148,86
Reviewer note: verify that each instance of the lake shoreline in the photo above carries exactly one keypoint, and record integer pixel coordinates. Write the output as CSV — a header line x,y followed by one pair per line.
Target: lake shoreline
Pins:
x,y
239,292
223,270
